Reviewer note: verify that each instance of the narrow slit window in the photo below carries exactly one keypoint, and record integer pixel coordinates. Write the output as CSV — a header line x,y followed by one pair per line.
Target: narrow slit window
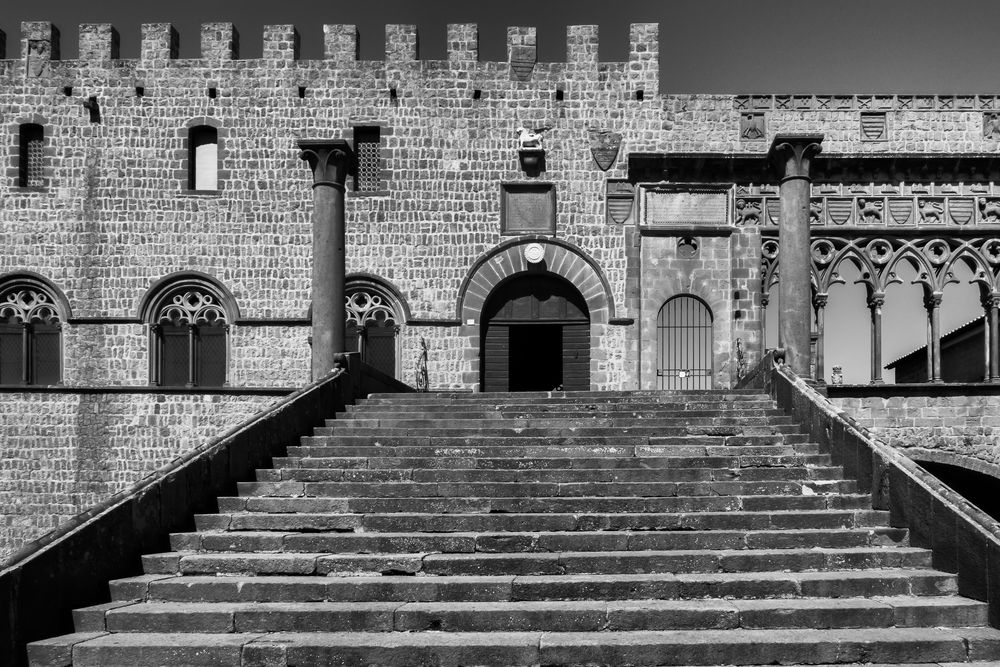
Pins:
x,y
32,143
367,147
203,158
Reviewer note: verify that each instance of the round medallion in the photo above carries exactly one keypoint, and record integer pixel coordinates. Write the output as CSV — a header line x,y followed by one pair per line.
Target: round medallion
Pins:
x,y
534,253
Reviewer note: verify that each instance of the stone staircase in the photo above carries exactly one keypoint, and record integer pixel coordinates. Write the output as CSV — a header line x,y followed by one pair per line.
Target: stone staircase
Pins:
x,y
612,528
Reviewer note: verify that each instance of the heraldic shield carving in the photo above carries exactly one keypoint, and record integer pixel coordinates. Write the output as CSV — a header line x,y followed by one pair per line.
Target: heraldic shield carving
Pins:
x,y
604,147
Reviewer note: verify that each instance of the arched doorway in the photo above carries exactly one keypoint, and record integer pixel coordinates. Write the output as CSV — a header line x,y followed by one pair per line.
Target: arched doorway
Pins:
x,y
684,344
535,336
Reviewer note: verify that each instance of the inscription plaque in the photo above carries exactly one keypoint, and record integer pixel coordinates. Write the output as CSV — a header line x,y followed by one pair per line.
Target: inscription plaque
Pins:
x,y
686,208
527,208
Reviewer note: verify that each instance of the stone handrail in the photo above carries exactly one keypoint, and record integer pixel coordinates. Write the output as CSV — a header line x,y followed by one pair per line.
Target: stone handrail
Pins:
x,y
962,538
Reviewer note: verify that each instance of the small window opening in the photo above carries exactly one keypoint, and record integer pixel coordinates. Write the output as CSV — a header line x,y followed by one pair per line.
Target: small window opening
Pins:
x,y
639,95
68,91
367,148
302,92
140,91
203,158
560,95
477,94
213,93
393,95
30,154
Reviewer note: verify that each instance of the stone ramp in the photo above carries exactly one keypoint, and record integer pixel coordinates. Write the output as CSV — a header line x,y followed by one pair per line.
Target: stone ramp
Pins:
x,y
654,528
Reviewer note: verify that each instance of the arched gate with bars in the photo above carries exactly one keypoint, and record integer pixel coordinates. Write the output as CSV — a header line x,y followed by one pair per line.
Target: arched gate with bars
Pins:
x,y
684,344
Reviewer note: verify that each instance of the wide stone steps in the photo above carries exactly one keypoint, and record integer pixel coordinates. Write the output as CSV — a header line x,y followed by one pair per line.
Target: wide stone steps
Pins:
x,y
545,616
535,463
352,585
626,475
552,528
579,504
678,647
569,429
460,522
615,562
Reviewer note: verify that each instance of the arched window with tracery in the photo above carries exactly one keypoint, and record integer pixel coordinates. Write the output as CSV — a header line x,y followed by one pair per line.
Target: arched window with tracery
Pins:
x,y
189,330
374,316
30,334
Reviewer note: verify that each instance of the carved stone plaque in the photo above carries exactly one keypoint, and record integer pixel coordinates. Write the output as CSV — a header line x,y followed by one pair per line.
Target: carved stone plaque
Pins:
x,y
686,208
528,208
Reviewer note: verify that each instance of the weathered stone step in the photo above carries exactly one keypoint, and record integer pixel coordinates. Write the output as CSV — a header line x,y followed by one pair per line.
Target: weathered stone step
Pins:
x,y
559,475
229,551
714,395
693,412
679,647
281,505
539,448
305,586
626,562
550,521
548,463
546,616
678,423
544,489
571,429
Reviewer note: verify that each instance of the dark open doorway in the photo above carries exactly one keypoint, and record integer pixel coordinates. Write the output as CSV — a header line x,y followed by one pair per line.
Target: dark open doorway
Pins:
x,y
535,357
535,336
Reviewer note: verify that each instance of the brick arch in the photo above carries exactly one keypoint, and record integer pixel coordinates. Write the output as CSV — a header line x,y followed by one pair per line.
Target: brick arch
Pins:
x,y
561,258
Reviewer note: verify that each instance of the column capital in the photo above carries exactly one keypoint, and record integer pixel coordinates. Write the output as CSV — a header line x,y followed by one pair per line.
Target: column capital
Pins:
x,y
991,300
933,300
790,154
876,300
820,299
331,160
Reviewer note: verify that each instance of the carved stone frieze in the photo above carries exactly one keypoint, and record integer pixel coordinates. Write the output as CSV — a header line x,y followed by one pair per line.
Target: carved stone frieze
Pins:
x,y
869,204
866,102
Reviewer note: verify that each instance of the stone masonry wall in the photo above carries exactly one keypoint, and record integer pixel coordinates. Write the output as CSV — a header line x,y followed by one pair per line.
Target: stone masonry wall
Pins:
x,y
964,426
63,453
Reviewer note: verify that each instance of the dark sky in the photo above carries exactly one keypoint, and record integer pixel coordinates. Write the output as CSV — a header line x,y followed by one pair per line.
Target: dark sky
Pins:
x,y
729,46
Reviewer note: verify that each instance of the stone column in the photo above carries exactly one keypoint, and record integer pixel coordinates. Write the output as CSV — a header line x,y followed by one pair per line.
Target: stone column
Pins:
x,y
330,161
932,303
819,303
790,154
875,304
992,306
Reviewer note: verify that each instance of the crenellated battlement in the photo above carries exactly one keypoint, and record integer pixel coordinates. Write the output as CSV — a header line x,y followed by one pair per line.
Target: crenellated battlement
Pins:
x,y
220,43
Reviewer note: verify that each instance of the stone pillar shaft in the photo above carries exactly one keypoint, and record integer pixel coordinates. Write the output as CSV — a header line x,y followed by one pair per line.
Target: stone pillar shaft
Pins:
x,y
791,154
933,305
993,309
875,304
330,161
819,303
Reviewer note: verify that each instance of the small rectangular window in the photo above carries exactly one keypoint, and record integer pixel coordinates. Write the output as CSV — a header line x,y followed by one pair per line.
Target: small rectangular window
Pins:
x,y
203,158
31,150
368,150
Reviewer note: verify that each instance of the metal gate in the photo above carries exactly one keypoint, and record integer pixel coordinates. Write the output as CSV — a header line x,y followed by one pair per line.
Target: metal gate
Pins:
x,y
684,344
